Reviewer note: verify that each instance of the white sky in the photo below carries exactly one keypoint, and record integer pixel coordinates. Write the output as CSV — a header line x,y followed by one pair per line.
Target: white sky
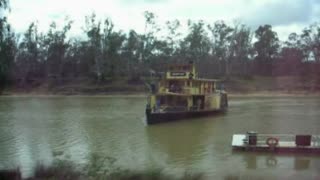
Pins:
x,y
285,16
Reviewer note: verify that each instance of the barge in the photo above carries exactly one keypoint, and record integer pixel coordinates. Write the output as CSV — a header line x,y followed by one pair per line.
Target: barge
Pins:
x,y
276,143
181,94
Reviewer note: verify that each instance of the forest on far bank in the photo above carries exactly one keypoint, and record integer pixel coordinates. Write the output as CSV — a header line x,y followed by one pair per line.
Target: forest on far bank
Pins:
x,y
104,54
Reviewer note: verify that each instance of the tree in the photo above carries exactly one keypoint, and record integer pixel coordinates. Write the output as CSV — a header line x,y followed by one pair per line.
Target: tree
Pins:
x,y
132,50
114,47
95,43
196,44
172,37
28,55
310,41
105,46
149,38
221,43
57,46
7,47
266,48
4,4
241,47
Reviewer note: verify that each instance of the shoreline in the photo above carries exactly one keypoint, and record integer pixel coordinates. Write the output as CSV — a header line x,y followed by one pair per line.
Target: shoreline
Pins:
x,y
145,94
257,86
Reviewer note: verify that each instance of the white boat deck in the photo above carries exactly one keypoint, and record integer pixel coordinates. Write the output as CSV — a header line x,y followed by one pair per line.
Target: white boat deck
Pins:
x,y
239,140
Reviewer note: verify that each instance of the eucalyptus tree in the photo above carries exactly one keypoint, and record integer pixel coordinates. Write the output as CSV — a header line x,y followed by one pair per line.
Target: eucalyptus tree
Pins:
x,y
221,42
149,37
95,49
291,56
4,4
241,47
7,46
115,45
80,58
57,45
266,48
173,37
133,47
267,43
27,58
294,41
310,41
104,46
196,44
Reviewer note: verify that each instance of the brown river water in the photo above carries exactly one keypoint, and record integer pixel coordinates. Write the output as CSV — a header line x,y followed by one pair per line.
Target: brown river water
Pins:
x,y
42,130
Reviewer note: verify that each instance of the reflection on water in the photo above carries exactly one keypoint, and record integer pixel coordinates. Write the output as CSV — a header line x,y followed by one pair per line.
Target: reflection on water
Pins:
x,y
44,129
301,163
182,144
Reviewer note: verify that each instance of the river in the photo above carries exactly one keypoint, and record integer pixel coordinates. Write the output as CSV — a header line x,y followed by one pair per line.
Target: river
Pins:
x,y
43,130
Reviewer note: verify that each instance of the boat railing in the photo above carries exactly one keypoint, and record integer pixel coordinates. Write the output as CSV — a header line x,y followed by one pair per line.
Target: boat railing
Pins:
x,y
175,89
179,90
261,139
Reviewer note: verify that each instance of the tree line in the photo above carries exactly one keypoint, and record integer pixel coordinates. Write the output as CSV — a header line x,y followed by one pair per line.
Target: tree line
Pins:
x,y
104,53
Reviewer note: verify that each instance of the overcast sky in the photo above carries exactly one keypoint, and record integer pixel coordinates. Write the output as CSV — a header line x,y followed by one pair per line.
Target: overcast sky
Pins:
x,y
284,15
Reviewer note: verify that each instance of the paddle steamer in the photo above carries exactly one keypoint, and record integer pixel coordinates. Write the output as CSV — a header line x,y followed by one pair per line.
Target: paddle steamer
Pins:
x,y
181,94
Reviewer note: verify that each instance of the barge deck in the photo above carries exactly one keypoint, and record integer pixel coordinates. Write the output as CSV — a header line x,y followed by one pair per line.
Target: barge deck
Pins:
x,y
276,143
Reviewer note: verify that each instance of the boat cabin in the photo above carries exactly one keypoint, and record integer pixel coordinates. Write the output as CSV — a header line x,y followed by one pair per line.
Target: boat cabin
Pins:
x,y
182,90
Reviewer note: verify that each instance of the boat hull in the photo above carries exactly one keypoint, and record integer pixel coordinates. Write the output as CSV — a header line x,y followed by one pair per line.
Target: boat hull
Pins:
x,y
154,118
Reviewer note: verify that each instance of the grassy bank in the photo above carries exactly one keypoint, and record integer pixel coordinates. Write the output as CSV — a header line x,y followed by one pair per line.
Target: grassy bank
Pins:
x,y
257,85
282,84
97,169
50,173
78,87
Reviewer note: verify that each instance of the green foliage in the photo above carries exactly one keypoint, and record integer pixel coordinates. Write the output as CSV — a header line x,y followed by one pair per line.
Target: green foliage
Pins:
x,y
222,39
4,4
104,168
104,46
149,37
58,170
241,43
222,43
56,46
267,43
310,41
266,47
7,48
104,53
196,45
28,56
172,37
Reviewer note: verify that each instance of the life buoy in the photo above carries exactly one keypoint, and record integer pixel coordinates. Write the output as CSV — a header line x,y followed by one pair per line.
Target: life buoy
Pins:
x,y
272,141
190,75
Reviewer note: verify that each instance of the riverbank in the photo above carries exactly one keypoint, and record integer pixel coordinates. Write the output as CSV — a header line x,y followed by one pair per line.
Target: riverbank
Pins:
x,y
95,170
144,95
253,86
68,172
